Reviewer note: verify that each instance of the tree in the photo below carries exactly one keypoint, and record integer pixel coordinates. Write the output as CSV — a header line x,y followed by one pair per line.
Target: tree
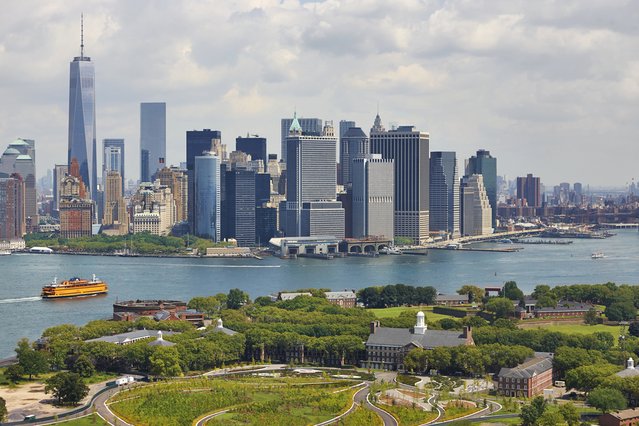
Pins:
x,y
209,305
633,329
237,298
475,294
570,414
592,318
540,290
531,413
621,311
502,307
511,291
14,372
587,377
3,410
67,388
416,360
83,365
550,417
607,399
32,362
165,362
370,297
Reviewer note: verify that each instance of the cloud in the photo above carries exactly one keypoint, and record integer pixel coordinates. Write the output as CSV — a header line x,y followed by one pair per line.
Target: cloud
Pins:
x,y
556,77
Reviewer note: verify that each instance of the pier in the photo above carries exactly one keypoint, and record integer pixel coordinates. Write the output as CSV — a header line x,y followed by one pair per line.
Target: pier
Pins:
x,y
489,249
526,241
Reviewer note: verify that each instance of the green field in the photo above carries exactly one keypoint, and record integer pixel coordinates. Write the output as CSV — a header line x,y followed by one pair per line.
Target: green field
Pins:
x,y
394,312
582,329
90,420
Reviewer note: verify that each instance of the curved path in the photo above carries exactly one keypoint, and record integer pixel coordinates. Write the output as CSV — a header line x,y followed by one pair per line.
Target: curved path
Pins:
x,y
208,417
362,397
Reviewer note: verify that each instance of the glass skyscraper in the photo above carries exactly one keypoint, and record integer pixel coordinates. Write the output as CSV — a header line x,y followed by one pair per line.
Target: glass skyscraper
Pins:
x,y
444,193
152,139
82,141
207,211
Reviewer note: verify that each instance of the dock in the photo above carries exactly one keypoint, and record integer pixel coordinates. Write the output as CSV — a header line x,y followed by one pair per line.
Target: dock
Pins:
x,y
489,249
558,242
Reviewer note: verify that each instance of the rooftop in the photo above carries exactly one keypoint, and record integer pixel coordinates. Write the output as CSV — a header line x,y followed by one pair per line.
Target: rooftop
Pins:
x,y
132,336
385,336
529,368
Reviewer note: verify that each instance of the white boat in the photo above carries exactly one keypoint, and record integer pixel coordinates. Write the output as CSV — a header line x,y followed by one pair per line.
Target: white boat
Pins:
x,y
390,250
597,255
453,246
5,252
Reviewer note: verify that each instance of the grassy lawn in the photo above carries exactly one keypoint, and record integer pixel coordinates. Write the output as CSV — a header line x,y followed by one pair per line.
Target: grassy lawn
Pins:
x,y
100,377
394,312
584,329
362,417
90,420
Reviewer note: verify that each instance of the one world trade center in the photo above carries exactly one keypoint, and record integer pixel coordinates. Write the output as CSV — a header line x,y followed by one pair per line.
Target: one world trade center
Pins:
x,y
82,140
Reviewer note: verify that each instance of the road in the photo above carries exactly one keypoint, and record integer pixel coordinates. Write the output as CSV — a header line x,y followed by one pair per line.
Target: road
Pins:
x,y
362,398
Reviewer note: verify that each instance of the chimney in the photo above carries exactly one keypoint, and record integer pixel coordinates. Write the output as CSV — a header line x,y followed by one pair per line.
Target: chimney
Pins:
x,y
468,333
374,326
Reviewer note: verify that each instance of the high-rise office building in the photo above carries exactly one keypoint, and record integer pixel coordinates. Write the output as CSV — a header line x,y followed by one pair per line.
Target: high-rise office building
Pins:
x,y
12,207
152,139
486,165
239,214
153,208
207,211
254,146
476,210
308,126
408,147
59,172
529,191
116,219
344,125
578,188
82,141
197,143
353,144
444,193
19,157
311,206
76,211
177,180
113,158
373,190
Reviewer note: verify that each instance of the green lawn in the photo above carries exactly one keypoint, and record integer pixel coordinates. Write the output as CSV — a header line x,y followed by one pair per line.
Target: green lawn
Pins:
x,y
396,311
90,420
584,329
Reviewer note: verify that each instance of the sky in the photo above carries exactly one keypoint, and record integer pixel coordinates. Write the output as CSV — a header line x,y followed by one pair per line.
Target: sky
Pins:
x,y
549,87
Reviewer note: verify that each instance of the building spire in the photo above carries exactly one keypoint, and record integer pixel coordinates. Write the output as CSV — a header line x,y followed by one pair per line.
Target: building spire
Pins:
x,y
82,35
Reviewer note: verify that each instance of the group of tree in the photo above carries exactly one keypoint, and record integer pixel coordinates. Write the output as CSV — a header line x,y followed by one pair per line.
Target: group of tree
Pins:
x,y
396,295
540,413
67,388
469,360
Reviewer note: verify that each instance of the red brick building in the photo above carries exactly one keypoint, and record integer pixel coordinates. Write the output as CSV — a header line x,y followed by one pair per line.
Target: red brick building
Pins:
x,y
527,379
628,417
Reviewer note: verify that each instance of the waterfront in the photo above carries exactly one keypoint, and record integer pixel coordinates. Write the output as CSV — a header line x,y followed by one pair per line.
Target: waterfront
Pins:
x,y
26,315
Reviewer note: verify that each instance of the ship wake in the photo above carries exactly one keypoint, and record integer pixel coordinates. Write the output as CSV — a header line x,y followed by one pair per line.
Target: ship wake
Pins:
x,y
20,299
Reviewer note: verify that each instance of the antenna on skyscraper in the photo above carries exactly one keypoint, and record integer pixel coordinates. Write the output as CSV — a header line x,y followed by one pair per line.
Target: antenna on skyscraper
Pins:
x,y
82,35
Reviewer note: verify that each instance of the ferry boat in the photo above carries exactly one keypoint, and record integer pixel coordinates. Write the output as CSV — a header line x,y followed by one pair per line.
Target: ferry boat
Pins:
x,y
74,287
390,250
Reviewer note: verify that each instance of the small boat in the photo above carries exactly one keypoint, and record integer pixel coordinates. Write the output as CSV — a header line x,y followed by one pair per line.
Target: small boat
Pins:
x,y
390,250
453,246
597,255
5,252
74,287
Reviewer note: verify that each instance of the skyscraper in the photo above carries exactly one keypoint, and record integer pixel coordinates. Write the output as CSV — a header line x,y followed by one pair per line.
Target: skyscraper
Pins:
x,y
408,147
311,206
82,141
476,210
444,193
177,180
529,190
353,144
239,216
486,165
12,210
373,188
255,146
308,126
344,125
115,215
113,158
207,211
197,143
152,139
19,158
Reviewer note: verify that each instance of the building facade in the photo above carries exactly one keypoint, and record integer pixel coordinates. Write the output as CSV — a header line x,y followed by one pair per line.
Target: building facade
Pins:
x,y
373,180
527,380
177,180
197,143
254,146
59,172
239,214
309,126
408,148
113,158
153,200
152,139
115,212
353,144
12,210
486,165
311,208
82,140
444,193
529,191
476,210
19,158
207,217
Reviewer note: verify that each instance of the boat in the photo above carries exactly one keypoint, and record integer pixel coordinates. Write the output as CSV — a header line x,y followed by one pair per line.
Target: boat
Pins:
x,y
390,250
597,255
453,246
5,252
74,287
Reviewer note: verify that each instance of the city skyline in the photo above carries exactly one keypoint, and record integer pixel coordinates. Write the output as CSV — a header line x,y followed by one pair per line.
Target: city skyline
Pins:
x,y
504,77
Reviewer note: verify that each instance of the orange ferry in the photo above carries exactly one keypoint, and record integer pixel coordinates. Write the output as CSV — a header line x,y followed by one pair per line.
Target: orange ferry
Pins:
x,y
74,287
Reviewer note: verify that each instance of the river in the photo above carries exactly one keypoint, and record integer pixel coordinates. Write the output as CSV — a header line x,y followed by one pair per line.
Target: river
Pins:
x,y
24,314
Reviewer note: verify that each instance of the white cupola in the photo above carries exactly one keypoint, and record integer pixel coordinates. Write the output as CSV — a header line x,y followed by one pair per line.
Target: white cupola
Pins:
x,y
420,325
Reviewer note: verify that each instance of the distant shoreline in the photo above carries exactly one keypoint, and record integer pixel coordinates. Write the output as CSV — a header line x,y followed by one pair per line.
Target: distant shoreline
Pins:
x,y
158,255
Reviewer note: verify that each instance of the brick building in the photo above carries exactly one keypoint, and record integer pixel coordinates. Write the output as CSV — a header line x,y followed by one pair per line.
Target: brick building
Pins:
x,y
345,299
528,379
628,417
